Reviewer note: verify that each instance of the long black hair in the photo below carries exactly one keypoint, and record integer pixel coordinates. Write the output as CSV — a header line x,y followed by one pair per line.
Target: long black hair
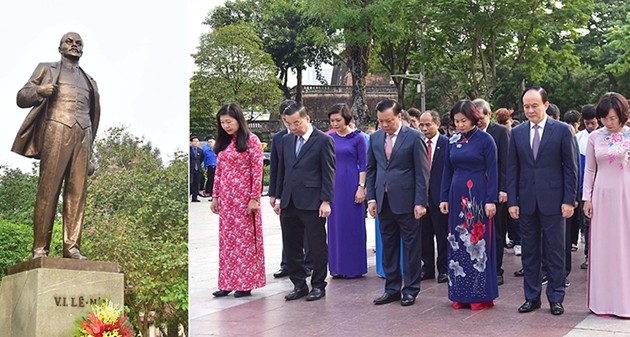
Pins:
x,y
242,135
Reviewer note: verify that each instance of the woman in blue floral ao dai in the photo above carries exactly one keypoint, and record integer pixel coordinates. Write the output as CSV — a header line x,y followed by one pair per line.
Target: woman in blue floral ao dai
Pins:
x,y
469,196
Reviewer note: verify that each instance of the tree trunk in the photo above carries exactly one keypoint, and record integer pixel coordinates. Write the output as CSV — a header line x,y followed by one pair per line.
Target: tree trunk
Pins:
x,y
286,91
359,69
298,87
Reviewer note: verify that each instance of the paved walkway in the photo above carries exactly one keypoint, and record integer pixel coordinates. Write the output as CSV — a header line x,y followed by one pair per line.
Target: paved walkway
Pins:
x,y
347,310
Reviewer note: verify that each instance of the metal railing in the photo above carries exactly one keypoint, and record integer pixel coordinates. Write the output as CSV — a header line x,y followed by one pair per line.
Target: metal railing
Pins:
x,y
344,89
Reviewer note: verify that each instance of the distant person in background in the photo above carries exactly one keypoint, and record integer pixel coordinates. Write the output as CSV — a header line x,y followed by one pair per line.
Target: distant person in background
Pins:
x,y
195,168
572,118
347,252
590,123
434,225
210,162
501,137
414,118
406,119
504,117
606,198
236,198
353,126
469,195
446,125
553,111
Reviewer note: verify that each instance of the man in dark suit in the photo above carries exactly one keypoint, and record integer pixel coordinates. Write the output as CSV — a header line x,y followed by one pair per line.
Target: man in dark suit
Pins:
x,y
60,130
196,158
304,190
542,186
397,182
276,145
434,223
501,137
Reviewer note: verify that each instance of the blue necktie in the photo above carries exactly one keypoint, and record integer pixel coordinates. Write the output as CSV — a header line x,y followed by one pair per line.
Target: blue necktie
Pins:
x,y
298,147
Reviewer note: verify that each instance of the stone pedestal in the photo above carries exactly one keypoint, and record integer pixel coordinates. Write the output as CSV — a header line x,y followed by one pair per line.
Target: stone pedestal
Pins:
x,y
45,296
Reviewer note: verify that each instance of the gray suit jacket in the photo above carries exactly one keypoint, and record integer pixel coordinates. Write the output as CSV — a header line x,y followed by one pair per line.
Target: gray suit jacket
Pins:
x,y
406,173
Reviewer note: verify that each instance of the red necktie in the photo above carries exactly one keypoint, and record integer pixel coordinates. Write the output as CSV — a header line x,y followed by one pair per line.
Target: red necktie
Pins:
x,y
429,155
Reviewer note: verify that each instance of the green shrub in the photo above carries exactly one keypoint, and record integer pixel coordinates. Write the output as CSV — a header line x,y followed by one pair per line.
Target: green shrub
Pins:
x,y
15,244
17,194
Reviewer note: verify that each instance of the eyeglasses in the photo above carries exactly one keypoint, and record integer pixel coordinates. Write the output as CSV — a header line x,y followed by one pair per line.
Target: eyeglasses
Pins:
x,y
609,119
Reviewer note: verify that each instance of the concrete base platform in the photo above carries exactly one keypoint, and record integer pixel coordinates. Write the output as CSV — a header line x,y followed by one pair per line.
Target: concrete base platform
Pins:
x,y
45,296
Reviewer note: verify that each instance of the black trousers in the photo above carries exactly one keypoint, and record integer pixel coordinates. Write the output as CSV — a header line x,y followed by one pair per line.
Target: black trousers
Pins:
x,y
434,224
308,259
393,228
210,179
500,229
195,181
295,223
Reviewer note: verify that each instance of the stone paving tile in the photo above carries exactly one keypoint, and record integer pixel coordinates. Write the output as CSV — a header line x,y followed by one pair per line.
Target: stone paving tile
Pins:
x,y
347,309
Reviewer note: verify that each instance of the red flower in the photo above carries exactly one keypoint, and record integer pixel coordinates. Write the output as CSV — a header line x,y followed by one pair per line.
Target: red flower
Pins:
x,y
468,215
464,140
477,231
469,184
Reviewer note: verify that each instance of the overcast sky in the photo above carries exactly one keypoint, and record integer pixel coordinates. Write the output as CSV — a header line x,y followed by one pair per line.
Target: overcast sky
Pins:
x,y
137,51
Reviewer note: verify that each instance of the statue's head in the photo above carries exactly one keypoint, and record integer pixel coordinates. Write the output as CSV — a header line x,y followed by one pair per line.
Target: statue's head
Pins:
x,y
71,46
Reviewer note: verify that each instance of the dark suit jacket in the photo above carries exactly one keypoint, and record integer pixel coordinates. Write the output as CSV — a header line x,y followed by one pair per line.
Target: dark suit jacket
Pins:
x,y
308,179
28,141
196,159
435,179
276,145
551,179
501,137
406,174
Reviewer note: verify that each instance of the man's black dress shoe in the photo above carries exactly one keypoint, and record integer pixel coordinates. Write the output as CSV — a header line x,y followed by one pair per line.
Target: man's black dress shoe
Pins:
x,y
221,293
425,276
519,272
499,280
387,298
296,293
529,306
239,293
407,300
316,294
556,308
281,273
195,200
442,278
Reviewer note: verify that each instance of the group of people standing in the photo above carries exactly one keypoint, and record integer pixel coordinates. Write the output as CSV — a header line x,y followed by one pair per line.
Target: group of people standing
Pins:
x,y
203,163
420,184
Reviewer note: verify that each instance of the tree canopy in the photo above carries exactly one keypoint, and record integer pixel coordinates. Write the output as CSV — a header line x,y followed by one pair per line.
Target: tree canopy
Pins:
x,y
490,49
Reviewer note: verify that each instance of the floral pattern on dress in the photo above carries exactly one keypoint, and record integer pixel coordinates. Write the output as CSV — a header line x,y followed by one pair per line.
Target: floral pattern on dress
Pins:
x,y
471,233
618,147
238,178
